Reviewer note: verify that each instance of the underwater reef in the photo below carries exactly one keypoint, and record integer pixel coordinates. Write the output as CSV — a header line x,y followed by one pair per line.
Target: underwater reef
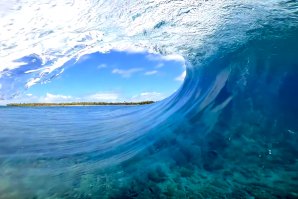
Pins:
x,y
230,131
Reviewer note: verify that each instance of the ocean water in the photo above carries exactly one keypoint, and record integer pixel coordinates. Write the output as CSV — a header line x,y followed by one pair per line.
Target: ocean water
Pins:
x,y
230,131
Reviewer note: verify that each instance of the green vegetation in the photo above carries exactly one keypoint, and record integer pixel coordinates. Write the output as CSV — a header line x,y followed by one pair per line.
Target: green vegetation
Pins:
x,y
81,104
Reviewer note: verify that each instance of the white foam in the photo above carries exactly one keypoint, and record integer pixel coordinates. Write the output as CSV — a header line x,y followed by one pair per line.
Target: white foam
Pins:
x,y
57,31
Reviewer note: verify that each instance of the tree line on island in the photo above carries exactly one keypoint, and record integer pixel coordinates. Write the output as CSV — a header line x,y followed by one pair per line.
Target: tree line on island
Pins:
x,y
81,103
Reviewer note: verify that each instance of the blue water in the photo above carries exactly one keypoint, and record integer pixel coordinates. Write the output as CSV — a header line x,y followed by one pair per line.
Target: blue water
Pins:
x,y
230,131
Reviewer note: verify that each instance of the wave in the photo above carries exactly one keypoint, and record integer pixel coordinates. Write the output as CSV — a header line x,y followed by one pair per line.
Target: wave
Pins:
x,y
230,130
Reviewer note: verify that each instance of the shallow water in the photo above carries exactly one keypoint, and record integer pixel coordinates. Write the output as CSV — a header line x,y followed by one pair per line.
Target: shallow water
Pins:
x,y
98,152
230,131
47,148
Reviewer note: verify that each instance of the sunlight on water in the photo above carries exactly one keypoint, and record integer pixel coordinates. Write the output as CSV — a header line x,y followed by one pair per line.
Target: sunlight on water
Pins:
x,y
230,131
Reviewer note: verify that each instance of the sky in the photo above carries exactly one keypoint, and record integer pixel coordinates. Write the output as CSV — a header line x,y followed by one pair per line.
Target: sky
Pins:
x,y
116,76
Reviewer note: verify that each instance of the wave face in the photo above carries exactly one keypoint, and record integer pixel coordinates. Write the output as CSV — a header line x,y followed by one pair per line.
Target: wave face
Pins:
x,y
230,131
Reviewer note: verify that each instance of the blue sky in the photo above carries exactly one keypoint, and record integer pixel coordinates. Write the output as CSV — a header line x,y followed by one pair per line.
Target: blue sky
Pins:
x,y
113,76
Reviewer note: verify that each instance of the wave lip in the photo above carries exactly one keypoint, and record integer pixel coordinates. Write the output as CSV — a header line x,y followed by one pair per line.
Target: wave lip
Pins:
x,y
232,124
175,28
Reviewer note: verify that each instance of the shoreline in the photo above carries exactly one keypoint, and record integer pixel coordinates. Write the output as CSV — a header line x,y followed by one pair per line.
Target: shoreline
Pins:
x,y
79,104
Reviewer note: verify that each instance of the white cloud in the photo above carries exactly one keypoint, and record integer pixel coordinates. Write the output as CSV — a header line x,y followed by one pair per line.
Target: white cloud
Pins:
x,y
103,97
181,77
30,98
56,98
173,57
84,58
96,97
126,73
153,72
0,86
101,66
148,96
159,65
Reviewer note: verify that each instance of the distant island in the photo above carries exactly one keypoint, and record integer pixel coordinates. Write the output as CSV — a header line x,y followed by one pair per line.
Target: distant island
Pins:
x,y
81,104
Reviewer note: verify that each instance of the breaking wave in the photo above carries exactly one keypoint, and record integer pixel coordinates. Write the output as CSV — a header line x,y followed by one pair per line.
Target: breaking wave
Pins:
x,y
230,130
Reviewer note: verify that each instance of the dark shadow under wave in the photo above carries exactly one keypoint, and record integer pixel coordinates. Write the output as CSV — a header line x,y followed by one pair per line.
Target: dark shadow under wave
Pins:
x,y
230,131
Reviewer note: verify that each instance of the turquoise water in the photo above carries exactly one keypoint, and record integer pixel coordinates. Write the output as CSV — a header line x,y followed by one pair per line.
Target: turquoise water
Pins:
x,y
230,131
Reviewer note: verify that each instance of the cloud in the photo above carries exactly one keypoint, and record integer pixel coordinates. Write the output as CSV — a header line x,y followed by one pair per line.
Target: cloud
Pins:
x,y
153,72
56,98
101,66
84,58
0,86
173,57
148,96
96,97
181,77
103,97
159,65
26,98
126,73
